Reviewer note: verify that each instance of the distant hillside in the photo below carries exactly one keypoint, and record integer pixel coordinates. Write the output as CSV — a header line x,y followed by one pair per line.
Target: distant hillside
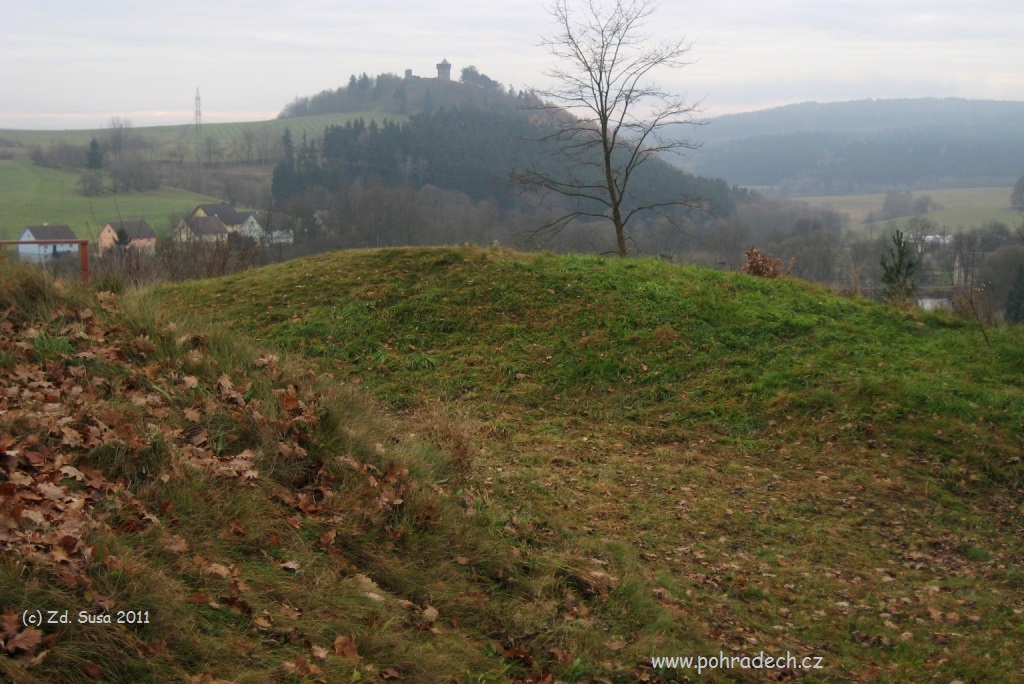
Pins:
x,y
866,146
468,137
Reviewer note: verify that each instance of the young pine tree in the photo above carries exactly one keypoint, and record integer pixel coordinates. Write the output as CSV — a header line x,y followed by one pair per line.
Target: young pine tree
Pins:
x,y
898,271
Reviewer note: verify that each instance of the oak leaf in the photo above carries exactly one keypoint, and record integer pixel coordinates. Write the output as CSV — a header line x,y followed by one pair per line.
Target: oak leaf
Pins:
x,y
25,641
345,646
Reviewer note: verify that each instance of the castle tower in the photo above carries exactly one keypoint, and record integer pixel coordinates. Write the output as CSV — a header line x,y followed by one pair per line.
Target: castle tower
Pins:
x,y
444,71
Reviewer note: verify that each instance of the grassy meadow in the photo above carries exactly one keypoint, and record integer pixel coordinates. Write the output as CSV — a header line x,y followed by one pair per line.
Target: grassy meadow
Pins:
x,y
477,465
962,208
164,139
763,465
32,195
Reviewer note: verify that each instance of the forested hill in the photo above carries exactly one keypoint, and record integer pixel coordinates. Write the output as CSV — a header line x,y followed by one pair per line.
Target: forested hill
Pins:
x,y
867,145
395,95
467,137
465,149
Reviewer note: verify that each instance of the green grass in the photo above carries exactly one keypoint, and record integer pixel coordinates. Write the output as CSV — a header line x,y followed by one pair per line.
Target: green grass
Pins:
x,y
343,525
768,465
164,138
32,195
962,208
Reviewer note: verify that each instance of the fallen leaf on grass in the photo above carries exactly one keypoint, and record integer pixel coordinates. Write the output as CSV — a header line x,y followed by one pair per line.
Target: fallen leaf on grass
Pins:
x,y
345,646
561,656
25,641
175,544
429,615
303,667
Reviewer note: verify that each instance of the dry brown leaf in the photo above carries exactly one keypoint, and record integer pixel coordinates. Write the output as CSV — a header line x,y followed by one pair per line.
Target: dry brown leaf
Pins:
x,y
429,615
175,544
345,646
301,666
25,641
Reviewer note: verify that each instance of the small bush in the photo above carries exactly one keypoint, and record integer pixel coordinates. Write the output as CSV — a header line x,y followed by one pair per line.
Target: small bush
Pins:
x,y
761,264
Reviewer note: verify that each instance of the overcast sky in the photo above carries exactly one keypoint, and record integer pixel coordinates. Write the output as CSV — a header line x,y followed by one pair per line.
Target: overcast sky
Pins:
x,y
72,64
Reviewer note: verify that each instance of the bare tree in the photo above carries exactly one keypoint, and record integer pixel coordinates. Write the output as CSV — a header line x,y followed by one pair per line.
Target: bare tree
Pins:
x,y
120,130
609,118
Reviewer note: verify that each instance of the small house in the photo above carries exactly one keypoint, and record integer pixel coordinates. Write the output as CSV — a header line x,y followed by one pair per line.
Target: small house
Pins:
x,y
129,234
268,229
228,215
201,229
43,253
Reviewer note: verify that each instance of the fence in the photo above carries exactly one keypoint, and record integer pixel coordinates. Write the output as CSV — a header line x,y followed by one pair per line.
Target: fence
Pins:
x,y
83,251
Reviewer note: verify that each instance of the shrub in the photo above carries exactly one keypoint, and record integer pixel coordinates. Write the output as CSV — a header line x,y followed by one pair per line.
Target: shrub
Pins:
x,y
761,264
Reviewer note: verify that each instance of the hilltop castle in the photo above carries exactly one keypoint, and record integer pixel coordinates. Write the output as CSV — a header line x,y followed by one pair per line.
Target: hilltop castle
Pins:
x,y
444,72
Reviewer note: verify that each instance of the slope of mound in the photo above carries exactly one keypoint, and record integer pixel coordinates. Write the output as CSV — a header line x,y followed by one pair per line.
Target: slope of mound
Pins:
x,y
179,507
784,470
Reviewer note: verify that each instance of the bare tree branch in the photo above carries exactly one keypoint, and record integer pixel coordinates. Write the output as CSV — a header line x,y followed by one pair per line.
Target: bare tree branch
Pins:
x,y
608,120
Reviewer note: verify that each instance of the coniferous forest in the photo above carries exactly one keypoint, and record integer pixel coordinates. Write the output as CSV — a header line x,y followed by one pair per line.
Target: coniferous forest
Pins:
x,y
462,144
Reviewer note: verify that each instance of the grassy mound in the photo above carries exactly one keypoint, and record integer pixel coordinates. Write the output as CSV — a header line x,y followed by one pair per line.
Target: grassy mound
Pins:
x,y
237,518
766,465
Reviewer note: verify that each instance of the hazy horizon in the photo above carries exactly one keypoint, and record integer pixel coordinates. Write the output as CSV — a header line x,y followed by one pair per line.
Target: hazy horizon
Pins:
x,y
71,66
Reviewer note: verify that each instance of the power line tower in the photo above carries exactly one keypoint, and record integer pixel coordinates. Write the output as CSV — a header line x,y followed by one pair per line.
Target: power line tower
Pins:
x,y
199,141
199,129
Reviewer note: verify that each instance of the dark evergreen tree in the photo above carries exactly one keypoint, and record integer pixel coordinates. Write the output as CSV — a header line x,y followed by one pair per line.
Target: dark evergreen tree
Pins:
x,y
283,184
94,157
898,271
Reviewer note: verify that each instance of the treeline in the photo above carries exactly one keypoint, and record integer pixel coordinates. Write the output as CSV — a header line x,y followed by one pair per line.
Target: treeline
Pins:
x,y
866,146
470,150
465,150
392,94
121,162
854,163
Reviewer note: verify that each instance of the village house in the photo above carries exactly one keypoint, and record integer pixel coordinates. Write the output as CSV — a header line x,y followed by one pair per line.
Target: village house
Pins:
x,y
201,229
232,219
43,253
130,234
274,229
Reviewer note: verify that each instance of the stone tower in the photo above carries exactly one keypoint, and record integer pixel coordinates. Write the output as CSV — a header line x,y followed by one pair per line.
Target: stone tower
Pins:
x,y
444,71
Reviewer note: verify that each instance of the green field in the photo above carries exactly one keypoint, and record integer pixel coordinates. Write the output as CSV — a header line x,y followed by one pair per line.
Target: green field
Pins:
x,y
962,208
163,139
32,195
